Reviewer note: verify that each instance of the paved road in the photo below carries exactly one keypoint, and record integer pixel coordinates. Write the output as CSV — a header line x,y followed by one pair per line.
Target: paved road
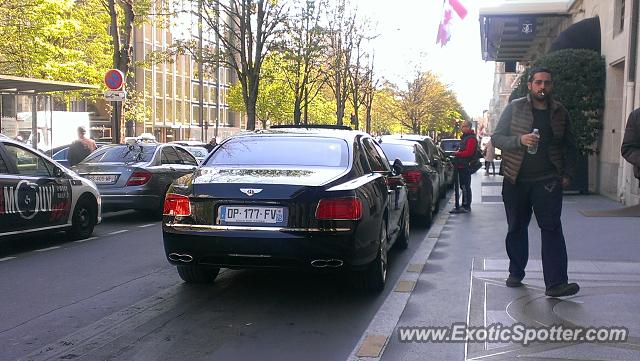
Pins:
x,y
115,297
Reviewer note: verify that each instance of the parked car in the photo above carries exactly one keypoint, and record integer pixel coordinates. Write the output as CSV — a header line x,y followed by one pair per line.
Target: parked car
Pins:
x,y
434,156
136,176
259,201
200,153
449,146
189,143
448,167
38,194
420,175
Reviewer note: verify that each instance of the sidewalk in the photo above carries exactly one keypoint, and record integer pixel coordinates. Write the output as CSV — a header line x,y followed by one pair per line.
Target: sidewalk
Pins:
x,y
462,281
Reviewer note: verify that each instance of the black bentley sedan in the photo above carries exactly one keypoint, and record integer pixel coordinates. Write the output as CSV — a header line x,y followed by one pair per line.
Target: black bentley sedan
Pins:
x,y
137,175
289,198
423,180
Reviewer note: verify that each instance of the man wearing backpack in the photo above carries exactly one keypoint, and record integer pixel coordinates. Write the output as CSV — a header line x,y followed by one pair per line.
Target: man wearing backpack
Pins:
x,y
81,148
465,159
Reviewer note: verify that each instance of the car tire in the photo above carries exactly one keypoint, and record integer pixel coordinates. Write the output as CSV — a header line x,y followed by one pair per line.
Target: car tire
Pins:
x,y
83,219
198,274
403,238
427,217
374,277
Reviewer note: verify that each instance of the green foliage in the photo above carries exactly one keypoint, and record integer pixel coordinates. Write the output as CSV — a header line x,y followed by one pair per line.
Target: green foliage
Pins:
x,y
60,40
579,81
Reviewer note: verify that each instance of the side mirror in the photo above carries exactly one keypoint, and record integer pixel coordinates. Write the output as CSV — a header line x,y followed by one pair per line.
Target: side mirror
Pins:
x,y
398,168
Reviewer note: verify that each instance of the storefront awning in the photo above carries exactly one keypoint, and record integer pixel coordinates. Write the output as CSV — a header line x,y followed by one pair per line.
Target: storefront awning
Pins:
x,y
20,85
518,30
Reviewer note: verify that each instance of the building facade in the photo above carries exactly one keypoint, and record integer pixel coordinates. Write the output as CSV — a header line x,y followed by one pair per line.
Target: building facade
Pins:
x,y
172,90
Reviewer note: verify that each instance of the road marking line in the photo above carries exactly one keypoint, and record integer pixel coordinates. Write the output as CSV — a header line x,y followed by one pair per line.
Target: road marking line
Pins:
x,y
118,232
7,258
404,286
372,346
47,249
86,239
147,225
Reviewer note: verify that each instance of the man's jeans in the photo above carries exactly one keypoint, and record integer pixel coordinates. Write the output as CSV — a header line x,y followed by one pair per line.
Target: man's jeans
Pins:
x,y
545,199
464,176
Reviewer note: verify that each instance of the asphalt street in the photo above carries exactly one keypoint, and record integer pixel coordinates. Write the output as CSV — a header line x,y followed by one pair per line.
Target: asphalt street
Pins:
x,y
115,297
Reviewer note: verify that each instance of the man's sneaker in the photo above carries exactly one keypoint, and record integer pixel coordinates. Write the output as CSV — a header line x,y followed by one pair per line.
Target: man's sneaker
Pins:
x,y
468,209
514,281
563,290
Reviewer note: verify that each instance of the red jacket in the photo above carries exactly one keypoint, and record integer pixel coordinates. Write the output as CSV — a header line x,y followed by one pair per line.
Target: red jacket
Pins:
x,y
468,149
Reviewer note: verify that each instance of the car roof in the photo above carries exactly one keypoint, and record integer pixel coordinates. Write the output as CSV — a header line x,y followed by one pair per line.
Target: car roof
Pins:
x,y
408,136
347,135
406,142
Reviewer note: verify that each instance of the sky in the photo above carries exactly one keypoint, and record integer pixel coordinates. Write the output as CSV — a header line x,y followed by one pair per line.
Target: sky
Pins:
x,y
407,42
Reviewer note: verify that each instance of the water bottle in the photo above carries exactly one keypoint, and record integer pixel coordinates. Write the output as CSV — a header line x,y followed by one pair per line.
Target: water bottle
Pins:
x,y
533,149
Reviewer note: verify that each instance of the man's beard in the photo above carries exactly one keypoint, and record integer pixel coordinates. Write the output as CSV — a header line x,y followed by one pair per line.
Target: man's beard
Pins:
x,y
540,95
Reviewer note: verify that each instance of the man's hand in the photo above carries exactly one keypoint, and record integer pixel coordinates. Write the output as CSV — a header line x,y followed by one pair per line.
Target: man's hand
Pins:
x,y
529,140
566,182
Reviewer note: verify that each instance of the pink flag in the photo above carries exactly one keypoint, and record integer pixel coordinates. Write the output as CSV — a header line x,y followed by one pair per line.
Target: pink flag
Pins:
x,y
444,32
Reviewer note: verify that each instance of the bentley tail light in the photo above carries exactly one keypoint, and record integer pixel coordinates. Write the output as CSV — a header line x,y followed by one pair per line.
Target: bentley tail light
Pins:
x,y
339,209
139,178
176,205
412,176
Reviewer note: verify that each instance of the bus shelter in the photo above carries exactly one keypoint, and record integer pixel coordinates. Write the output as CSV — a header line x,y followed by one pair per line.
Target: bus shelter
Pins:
x,y
13,85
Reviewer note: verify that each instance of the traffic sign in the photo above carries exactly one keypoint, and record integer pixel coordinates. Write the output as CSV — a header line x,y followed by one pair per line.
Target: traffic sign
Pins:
x,y
115,95
114,79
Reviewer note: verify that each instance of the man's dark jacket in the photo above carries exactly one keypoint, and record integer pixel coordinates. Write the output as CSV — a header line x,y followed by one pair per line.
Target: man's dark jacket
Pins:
x,y
517,120
631,143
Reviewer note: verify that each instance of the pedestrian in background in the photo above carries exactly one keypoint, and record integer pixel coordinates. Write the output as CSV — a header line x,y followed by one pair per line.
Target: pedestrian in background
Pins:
x,y
81,148
489,156
534,180
631,143
463,156
211,145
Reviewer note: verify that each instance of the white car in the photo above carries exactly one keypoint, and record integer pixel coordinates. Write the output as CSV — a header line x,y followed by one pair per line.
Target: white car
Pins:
x,y
38,194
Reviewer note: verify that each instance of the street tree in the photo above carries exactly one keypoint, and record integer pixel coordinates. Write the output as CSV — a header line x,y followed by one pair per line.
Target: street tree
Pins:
x,y
341,37
247,31
303,47
274,104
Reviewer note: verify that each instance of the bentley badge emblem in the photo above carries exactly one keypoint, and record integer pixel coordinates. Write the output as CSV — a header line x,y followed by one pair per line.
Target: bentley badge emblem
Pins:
x,y
250,191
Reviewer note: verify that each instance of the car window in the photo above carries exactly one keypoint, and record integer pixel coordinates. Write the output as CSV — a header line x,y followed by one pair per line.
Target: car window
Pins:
x,y
449,145
169,156
122,154
282,151
61,155
404,152
4,168
28,163
377,159
422,156
186,157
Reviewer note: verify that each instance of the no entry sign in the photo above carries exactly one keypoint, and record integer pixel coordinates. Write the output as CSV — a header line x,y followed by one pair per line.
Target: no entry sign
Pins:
x,y
114,79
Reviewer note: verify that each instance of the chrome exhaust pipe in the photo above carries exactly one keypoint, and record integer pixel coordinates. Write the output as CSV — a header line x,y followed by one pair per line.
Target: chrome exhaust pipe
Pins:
x,y
322,263
177,257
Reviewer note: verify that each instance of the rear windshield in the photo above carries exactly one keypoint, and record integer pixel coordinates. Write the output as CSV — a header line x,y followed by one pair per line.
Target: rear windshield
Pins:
x,y
122,154
406,153
282,151
449,145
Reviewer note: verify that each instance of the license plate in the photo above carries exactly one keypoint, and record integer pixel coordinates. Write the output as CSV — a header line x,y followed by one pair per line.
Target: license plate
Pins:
x,y
253,215
102,178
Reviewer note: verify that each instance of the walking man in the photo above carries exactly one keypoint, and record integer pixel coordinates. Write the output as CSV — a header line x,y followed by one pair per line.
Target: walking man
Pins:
x,y
468,144
534,179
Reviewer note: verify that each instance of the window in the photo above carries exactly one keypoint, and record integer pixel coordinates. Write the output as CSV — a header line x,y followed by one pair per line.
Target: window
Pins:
x,y
4,169
282,151
28,163
619,13
376,161
187,158
169,156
